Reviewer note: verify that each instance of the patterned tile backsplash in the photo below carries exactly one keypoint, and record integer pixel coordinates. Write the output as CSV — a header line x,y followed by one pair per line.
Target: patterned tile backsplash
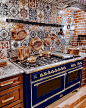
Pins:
x,y
35,11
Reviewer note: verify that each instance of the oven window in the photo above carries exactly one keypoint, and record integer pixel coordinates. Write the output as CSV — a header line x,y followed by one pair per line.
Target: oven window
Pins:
x,y
48,86
73,76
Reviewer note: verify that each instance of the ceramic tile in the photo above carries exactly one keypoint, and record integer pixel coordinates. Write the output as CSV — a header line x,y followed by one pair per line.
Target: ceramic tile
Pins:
x,y
53,9
67,41
59,20
40,16
47,28
58,42
4,34
3,9
41,28
46,33
23,3
47,17
47,8
14,11
40,5
59,36
15,44
25,42
53,30
4,44
23,13
33,27
32,3
41,34
62,42
14,2
32,14
53,18
32,33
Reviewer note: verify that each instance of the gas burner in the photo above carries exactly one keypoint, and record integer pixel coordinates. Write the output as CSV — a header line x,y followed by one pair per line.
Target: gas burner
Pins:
x,y
55,61
40,61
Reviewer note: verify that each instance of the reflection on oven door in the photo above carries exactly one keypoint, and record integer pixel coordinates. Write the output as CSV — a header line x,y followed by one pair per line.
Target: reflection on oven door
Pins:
x,y
46,88
73,77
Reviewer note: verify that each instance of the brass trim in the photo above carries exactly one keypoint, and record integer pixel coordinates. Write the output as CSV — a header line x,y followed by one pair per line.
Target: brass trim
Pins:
x,y
48,80
49,76
54,95
7,83
9,99
75,70
74,67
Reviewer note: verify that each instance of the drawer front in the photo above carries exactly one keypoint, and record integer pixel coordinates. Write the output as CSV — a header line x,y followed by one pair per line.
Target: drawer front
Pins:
x,y
11,96
21,105
11,81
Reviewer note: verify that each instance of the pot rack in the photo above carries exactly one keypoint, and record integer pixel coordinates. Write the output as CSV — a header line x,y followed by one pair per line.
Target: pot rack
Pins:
x,y
33,23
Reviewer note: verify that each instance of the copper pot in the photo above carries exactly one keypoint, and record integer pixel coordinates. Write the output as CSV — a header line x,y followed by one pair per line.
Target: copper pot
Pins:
x,y
73,51
36,44
46,53
24,52
31,59
18,32
47,41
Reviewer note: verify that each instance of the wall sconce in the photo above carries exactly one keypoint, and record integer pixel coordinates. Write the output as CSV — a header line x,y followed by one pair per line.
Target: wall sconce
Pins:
x,y
72,28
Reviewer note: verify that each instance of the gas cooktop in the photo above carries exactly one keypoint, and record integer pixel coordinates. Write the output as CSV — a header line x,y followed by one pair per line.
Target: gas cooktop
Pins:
x,y
40,61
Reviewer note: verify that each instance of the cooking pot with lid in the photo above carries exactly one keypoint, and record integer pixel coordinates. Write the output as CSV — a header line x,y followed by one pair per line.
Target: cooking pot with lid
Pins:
x,y
31,59
73,51
24,52
46,53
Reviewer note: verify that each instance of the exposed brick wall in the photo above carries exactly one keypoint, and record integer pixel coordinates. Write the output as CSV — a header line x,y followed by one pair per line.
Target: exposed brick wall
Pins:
x,y
80,25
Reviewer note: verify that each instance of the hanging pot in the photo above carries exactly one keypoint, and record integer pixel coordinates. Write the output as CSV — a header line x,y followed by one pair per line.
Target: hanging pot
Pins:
x,y
36,44
18,32
47,41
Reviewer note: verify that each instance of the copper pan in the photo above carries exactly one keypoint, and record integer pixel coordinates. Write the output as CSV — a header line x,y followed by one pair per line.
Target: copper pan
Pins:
x,y
47,41
36,44
46,53
18,32
31,59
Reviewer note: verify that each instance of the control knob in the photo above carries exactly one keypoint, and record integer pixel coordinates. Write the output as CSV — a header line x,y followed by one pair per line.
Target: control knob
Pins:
x,y
41,75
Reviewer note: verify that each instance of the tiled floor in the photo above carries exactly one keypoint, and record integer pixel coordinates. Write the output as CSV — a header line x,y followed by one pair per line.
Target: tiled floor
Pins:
x,y
72,100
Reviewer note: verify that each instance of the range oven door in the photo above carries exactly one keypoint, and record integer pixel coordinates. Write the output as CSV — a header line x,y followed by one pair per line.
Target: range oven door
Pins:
x,y
43,89
73,76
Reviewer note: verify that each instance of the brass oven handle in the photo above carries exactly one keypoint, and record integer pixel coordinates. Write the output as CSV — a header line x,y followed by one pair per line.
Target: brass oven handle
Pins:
x,y
7,83
9,99
75,70
49,79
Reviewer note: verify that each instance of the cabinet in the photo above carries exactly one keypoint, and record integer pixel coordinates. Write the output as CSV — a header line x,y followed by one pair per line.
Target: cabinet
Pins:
x,y
11,92
83,81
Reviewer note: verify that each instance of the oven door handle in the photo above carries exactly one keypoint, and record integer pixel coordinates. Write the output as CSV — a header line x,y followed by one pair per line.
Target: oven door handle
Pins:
x,y
75,70
49,79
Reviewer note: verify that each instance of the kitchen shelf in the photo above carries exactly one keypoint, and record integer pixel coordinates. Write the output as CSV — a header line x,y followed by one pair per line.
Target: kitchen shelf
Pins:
x,y
33,23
